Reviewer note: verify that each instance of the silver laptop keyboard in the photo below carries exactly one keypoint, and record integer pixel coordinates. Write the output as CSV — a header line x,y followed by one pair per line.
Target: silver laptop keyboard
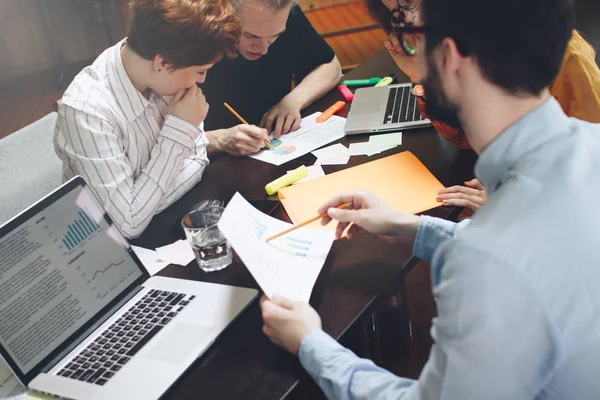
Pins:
x,y
106,355
401,106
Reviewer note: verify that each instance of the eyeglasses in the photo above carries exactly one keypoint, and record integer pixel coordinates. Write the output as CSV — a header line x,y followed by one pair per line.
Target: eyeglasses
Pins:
x,y
408,4
408,35
398,16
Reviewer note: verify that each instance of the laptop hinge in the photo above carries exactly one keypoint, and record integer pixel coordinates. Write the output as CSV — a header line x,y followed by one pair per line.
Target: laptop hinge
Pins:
x,y
92,328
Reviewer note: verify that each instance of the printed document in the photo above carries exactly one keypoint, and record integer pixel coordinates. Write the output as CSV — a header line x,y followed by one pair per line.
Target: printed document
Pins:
x,y
289,265
310,136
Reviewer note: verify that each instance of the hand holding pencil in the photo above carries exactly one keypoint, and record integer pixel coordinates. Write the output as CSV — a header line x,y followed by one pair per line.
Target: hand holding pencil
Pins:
x,y
300,225
243,121
364,211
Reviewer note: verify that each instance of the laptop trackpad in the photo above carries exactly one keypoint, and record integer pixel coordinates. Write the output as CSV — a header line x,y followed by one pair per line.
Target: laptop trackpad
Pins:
x,y
176,345
367,107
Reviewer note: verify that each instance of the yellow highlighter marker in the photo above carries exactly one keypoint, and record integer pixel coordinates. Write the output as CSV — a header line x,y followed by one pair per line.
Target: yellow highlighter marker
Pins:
x,y
286,180
387,80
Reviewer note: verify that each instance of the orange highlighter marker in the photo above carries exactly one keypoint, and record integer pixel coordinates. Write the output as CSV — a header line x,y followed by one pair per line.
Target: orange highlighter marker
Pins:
x,y
330,111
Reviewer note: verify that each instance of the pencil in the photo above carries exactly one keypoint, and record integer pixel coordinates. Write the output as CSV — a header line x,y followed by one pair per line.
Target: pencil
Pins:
x,y
293,85
293,228
243,121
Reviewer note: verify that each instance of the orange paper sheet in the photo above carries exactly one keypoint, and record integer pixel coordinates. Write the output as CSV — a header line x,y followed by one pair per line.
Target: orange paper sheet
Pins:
x,y
401,180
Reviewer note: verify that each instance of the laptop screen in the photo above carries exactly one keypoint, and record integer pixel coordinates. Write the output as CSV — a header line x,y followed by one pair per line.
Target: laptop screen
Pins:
x,y
62,262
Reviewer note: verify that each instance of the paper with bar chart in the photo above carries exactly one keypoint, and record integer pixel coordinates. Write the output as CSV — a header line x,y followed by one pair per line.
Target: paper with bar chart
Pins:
x,y
288,265
310,136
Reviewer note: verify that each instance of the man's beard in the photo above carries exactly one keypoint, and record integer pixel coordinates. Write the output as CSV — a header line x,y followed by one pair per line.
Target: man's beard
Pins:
x,y
438,106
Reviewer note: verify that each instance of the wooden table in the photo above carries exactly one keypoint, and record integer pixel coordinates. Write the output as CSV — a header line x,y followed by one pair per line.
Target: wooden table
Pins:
x,y
243,364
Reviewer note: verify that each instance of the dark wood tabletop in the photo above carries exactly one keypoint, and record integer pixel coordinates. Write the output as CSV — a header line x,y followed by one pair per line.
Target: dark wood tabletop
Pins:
x,y
242,363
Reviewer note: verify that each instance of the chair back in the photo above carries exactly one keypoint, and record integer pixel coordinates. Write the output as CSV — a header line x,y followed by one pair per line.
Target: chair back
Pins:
x,y
29,167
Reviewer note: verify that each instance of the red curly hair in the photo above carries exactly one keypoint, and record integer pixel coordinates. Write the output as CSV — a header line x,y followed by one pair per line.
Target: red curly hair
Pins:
x,y
184,32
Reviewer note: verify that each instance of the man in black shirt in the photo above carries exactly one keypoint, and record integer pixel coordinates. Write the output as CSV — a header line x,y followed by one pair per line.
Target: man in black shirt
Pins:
x,y
277,43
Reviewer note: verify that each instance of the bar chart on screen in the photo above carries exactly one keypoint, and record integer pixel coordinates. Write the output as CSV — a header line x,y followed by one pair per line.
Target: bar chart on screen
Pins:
x,y
79,230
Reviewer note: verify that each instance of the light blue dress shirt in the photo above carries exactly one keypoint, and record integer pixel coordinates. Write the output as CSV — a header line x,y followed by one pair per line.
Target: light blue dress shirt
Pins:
x,y
517,288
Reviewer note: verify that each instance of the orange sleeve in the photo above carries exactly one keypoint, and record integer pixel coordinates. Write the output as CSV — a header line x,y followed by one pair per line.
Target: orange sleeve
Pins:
x,y
454,135
577,86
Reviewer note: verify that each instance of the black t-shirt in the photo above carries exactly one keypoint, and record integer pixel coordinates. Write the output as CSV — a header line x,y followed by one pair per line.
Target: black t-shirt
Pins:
x,y
253,87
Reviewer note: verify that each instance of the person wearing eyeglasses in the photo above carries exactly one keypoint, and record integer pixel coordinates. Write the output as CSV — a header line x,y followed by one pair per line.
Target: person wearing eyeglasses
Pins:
x,y
577,87
516,286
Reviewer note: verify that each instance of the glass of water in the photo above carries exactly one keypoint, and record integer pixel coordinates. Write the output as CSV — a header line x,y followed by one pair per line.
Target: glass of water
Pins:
x,y
212,251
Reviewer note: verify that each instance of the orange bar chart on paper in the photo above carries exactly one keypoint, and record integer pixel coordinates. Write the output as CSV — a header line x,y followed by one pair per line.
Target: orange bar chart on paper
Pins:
x,y
401,180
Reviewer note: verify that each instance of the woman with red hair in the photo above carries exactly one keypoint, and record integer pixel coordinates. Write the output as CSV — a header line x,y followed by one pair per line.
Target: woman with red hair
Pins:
x,y
132,122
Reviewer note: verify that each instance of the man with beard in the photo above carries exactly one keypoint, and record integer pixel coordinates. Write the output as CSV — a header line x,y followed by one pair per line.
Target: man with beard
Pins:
x,y
516,286
576,88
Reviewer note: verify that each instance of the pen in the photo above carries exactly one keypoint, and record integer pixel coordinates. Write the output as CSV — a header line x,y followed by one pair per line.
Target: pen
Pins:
x,y
293,228
243,121
330,111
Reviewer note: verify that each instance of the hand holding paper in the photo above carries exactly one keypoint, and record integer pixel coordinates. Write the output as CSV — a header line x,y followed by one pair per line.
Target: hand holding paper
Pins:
x,y
288,322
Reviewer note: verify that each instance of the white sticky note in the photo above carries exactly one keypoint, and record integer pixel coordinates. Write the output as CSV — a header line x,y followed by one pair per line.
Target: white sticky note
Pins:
x,y
314,171
179,253
388,139
377,150
339,160
337,150
152,262
366,148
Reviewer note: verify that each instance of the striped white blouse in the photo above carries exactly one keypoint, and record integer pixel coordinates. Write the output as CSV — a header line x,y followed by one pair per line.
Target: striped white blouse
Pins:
x,y
137,158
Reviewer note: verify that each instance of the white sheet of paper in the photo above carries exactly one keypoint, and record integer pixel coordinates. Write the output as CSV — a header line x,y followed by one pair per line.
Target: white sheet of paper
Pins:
x,y
152,262
310,136
388,139
179,253
288,265
10,388
5,372
333,161
314,171
366,148
336,150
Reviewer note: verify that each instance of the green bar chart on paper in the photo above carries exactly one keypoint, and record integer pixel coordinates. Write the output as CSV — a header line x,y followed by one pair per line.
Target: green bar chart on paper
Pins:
x,y
299,247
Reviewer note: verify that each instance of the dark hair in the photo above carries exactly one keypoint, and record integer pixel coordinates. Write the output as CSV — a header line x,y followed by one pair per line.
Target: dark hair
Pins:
x,y
184,32
518,44
380,13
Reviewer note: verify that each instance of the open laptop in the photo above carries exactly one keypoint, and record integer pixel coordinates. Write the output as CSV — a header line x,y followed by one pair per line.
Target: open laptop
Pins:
x,y
80,316
384,109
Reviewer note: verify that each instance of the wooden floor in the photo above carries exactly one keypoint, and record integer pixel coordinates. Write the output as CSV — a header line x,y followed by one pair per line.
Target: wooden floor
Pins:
x,y
353,48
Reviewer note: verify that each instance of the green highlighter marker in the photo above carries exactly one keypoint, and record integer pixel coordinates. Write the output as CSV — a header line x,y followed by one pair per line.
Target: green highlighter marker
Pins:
x,y
362,82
